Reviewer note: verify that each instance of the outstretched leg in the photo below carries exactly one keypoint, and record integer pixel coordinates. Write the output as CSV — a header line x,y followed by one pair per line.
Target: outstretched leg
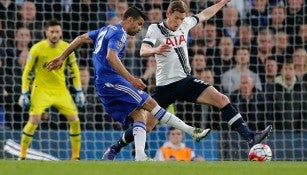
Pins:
x,y
229,113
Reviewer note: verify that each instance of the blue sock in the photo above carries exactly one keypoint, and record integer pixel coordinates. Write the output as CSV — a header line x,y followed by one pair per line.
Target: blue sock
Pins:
x,y
236,122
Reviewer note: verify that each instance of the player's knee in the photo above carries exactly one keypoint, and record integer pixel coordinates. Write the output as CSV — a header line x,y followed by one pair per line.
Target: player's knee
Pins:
x,y
149,128
223,100
150,104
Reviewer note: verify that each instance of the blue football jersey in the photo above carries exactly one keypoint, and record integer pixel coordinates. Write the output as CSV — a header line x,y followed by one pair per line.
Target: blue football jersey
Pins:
x,y
118,96
110,37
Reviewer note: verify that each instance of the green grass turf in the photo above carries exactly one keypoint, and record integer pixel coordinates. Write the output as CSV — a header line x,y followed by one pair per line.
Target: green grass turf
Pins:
x,y
11,167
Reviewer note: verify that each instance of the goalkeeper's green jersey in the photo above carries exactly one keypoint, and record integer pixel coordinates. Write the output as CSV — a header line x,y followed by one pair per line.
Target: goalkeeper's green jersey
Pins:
x,y
40,54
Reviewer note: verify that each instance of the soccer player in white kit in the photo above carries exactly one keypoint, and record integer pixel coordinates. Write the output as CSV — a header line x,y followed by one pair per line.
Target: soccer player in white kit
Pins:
x,y
167,42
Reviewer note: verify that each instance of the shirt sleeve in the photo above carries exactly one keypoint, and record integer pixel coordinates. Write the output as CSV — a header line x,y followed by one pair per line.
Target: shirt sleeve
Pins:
x,y
74,71
117,41
190,22
93,34
27,72
151,35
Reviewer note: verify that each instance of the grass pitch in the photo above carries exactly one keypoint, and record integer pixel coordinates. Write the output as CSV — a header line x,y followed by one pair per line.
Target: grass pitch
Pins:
x,y
12,167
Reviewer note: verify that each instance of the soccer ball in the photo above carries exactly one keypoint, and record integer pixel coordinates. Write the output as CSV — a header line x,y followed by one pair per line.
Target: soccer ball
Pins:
x,y
260,152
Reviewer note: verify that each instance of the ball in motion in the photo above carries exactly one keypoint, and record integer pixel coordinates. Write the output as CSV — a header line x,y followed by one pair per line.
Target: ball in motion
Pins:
x,y
260,152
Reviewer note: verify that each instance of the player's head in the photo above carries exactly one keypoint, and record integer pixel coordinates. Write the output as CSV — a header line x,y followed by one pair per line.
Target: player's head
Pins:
x,y
53,31
134,19
177,10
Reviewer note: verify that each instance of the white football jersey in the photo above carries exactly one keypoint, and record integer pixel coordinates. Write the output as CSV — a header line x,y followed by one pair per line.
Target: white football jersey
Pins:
x,y
175,65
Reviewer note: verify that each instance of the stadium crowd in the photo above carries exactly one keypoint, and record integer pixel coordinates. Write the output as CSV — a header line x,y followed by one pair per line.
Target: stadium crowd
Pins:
x,y
254,51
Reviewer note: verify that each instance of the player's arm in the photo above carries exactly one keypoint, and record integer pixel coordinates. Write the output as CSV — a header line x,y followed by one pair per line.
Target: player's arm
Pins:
x,y
75,73
27,72
115,62
74,45
148,50
211,11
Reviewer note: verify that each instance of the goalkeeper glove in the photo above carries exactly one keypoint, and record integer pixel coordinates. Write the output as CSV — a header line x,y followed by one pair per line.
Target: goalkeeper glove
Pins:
x,y
80,99
24,100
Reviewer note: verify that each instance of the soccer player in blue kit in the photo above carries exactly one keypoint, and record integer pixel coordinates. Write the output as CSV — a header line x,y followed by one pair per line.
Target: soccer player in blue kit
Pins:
x,y
120,92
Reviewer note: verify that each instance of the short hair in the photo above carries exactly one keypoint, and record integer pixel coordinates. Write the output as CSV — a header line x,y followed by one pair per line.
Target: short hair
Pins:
x,y
177,5
172,129
52,22
135,13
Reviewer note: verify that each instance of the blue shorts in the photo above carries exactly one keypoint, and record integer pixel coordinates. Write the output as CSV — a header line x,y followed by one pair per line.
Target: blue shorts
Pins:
x,y
120,99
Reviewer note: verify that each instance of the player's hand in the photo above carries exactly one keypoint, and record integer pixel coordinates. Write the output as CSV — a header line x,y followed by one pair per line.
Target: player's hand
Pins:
x,y
80,99
24,100
162,49
138,83
55,64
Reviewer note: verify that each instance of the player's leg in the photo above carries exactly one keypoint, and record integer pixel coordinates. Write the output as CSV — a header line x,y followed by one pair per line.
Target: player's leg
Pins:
x,y
139,134
66,106
75,136
170,119
127,138
36,110
211,96
27,135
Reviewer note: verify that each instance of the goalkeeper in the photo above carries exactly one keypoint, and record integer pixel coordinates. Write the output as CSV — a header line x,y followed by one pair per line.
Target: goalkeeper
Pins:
x,y
49,88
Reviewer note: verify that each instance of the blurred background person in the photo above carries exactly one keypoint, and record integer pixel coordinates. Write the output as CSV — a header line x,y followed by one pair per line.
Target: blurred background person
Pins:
x,y
174,149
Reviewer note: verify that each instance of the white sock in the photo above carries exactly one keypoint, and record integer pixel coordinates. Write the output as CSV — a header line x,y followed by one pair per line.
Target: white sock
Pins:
x,y
139,133
165,117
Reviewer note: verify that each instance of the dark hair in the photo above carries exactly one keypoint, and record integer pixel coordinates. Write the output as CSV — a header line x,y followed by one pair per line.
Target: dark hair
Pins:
x,y
52,22
135,13
170,129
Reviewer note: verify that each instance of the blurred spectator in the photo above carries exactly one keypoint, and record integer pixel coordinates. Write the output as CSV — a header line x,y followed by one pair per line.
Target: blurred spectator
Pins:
x,y
198,64
7,10
230,23
258,17
296,15
245,37
288,100
27,18
224,61
250,103
107,11
16,56
264,49
282,49
240,6
196,45
231,79
271,71
175,150
301,39
300,63
210,37
277,19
